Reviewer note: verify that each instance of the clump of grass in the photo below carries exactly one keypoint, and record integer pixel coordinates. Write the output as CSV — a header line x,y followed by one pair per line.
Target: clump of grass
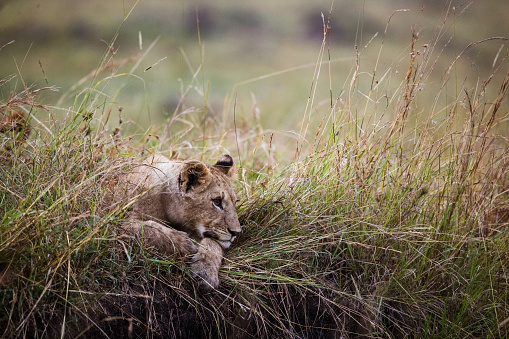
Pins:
x,y
394,224
392,229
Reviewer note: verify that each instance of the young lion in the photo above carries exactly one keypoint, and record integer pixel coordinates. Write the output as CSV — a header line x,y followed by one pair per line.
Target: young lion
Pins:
x,y
189,209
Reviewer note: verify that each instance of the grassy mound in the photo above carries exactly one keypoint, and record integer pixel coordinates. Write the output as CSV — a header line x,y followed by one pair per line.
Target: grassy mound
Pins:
x,y
392,223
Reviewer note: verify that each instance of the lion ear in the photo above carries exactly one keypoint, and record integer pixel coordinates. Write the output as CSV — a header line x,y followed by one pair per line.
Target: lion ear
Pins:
x,y
194,176
225,165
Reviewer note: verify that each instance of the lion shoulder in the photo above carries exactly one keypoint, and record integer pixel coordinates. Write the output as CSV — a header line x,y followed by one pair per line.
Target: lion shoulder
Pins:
x,y
155,170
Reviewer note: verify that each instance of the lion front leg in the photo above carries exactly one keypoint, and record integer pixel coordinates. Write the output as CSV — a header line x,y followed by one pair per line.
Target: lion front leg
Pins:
x,y
165,239
205,264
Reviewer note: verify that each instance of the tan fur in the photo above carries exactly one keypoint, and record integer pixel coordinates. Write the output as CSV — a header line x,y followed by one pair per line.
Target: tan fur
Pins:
x,y
179,213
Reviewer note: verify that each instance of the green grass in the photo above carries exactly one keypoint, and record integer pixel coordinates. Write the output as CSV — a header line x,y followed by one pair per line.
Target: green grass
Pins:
x,y
390,220
280,60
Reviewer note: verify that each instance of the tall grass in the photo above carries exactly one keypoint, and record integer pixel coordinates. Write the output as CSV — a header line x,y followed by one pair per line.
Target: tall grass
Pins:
x,y
392,224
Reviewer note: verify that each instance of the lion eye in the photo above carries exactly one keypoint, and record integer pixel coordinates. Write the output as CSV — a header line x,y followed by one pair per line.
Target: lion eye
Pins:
x,y
218,202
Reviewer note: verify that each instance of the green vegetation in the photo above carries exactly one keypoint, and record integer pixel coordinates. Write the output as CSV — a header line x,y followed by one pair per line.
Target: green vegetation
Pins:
x,y
391,221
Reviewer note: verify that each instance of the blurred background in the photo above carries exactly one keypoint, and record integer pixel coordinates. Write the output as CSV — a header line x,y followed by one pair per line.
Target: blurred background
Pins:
x,y
259,56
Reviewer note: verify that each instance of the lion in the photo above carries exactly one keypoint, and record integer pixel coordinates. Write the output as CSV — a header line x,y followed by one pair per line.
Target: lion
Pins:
x,y
186,208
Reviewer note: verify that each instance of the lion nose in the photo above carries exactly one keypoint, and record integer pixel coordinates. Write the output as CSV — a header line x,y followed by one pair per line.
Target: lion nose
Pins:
x,y
233,233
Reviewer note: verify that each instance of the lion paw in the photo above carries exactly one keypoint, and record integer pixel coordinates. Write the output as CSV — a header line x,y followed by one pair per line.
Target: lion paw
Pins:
x,y
186,245
206,278
205,264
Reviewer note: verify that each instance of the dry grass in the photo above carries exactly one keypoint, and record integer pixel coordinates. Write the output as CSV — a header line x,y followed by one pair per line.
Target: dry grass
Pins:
x,y
392,224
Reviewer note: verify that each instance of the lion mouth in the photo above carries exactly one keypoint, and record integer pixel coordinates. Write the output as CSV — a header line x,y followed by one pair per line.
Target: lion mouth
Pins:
x,y
209,235
225,243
